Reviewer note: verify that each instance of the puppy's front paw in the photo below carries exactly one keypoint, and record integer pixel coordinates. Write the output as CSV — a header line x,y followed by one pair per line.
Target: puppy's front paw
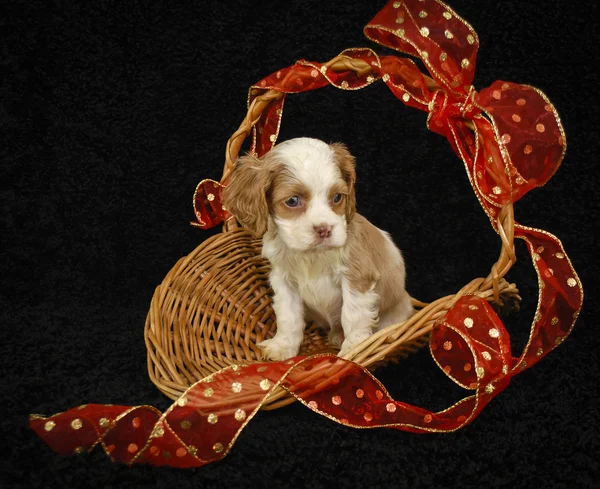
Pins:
x,y
277,349
352,341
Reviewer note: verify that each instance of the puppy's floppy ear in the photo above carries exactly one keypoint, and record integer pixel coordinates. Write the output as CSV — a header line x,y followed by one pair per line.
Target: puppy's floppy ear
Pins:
x,y
347,164
246,195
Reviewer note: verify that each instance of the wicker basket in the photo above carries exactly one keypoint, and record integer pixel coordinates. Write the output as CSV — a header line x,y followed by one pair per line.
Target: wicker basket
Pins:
x,y
214,306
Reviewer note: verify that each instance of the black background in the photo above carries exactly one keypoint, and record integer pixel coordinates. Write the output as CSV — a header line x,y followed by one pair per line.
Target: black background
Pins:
x,y
111,112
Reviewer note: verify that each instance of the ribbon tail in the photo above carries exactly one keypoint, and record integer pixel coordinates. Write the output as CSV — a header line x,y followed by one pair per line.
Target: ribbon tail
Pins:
x,y
560,298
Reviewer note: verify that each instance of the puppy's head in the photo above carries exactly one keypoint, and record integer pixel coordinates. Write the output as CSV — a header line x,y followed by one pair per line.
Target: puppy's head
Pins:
x,y
304,186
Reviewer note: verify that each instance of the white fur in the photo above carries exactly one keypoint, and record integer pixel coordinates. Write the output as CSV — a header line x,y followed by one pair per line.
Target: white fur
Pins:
x,y
289,309
311,279
360,315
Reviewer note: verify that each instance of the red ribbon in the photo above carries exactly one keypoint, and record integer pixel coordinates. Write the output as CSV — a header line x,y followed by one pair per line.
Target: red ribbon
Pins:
x,y
509,137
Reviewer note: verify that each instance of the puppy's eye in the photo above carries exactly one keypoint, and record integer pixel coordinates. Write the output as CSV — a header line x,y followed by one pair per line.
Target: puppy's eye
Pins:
x,y
337,198
293,201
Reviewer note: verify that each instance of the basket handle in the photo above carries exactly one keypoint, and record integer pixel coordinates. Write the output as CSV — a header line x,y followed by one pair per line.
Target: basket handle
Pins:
x,y
341,63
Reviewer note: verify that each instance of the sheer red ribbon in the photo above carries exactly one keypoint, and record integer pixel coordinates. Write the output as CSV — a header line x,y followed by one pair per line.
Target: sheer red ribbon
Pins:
x,y
509,137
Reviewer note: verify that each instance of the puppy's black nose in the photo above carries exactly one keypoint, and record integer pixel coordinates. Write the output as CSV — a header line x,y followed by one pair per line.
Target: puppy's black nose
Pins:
x,y
323,230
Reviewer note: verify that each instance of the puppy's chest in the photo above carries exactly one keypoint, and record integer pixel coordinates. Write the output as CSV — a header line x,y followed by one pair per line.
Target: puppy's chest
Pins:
x,y
318,280
322,294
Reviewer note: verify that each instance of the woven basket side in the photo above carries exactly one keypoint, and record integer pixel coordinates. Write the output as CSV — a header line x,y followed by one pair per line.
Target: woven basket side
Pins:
x,y
209,312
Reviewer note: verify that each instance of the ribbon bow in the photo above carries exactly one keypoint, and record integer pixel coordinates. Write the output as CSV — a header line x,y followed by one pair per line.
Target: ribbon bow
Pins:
x,y
510,139
509,135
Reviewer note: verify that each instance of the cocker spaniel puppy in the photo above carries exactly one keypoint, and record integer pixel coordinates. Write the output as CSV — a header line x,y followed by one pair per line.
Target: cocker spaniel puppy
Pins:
x,y
329,264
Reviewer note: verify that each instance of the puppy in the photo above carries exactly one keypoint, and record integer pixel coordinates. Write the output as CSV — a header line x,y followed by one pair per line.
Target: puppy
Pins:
x,y
329,264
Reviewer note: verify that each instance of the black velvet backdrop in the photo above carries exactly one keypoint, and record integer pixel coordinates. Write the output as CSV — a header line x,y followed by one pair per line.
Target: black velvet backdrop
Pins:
x,y
111,112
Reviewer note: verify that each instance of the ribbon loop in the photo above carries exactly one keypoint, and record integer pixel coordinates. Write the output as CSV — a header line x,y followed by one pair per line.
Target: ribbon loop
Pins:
x,y
431,30
471,345
529,130
208,204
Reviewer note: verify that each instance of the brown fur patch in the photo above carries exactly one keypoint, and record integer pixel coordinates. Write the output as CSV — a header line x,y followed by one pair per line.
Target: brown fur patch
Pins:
x,y
285,185
347,164
369,264
246,195
339,207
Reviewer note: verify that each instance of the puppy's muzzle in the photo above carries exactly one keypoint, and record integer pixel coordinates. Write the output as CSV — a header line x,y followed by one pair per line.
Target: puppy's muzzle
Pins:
x,y
323,230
